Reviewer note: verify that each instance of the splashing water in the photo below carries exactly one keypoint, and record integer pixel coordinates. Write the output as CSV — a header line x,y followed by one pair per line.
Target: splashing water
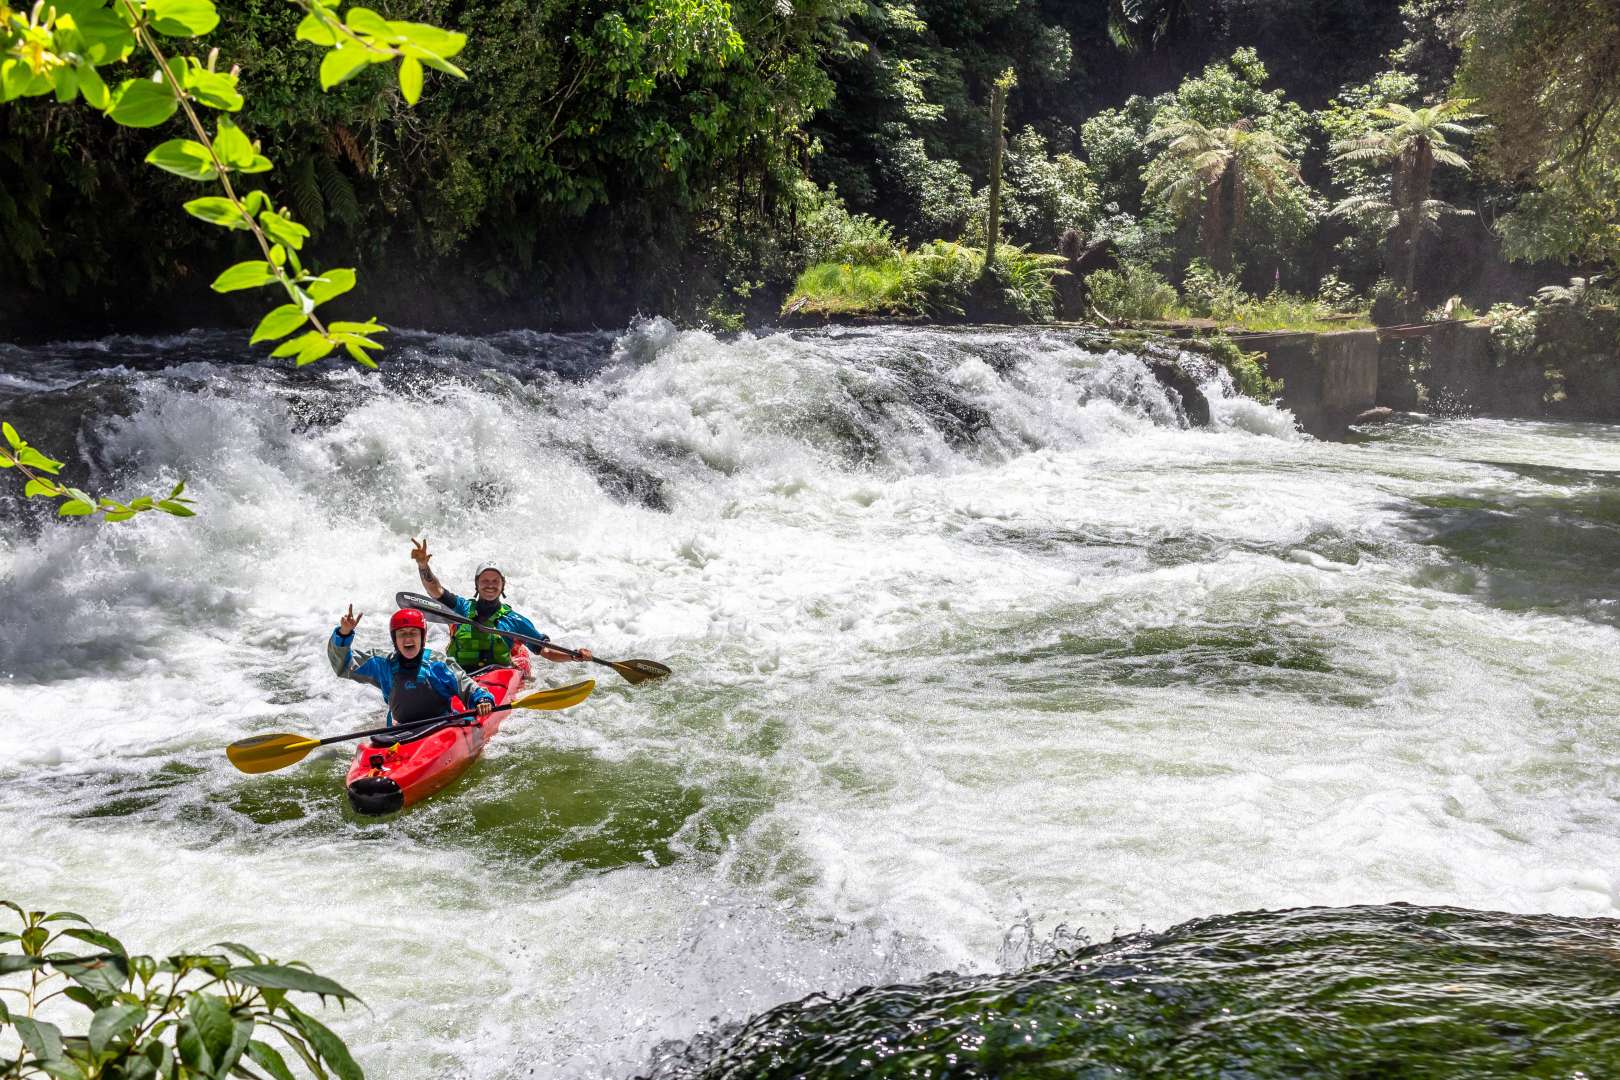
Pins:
x,y
970,632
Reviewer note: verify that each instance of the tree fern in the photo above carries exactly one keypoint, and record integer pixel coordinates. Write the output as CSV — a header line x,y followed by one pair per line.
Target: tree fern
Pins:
x,y
305,194
341,202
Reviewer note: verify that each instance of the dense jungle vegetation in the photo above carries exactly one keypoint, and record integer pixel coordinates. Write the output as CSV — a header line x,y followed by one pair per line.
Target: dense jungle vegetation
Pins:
x,y
696,157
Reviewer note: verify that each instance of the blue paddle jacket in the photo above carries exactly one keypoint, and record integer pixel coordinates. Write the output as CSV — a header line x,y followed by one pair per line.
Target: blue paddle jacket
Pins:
x,y
511,622
381,670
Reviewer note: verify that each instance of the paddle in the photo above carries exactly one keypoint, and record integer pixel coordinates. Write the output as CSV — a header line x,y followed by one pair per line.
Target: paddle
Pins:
x,y
634,671
267,753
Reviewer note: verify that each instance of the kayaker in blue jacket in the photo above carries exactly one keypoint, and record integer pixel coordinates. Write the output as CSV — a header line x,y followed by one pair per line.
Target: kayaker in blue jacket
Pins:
x,y
475,649
416,684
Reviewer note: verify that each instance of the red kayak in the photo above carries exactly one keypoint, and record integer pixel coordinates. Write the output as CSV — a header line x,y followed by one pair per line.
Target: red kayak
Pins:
x,y
389,774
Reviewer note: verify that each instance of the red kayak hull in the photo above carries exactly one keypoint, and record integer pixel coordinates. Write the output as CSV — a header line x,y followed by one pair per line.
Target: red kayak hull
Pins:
x,y
386,776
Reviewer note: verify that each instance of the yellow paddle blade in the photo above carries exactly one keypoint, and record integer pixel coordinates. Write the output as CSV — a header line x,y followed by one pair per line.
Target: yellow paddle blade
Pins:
x,y
267,753
560,698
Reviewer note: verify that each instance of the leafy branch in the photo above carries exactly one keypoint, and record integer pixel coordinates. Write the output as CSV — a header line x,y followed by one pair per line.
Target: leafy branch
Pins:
x,y
185,1015
40,469
60,47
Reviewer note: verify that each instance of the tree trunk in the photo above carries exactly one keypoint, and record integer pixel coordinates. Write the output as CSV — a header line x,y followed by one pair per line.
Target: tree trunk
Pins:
x,y
998,112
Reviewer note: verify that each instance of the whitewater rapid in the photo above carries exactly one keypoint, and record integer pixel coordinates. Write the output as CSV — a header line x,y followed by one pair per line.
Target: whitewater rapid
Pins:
x,y
973,638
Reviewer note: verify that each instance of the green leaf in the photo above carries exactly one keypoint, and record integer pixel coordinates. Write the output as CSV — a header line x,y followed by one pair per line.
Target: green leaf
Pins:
x,y
75,508
327,1045
331,283
294,346
12,437
169,506
245,275
259,164
257,202
91,87
217,210
432,60
342,63
183,157
107,38
31,457
100,975
83,996
178,488
365,21
315,350
93,936
269,1059
34,938
211,1016
43,1040
372,327
65,916
40,487
278,255
430,38
232,146
142,103
243,951
112,1023
10,963
283,230
279,323
410,79
66,81
314,30
182,18
216,89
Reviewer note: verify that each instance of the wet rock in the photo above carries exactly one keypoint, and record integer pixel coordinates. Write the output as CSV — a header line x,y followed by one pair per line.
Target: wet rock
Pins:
x,y
1379,414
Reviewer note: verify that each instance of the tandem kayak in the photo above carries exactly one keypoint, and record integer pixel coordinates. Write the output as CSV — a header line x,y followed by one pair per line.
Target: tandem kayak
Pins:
x,y
392,772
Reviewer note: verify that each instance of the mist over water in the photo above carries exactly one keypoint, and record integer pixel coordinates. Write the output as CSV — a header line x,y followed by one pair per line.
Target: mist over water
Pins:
x,y
973,638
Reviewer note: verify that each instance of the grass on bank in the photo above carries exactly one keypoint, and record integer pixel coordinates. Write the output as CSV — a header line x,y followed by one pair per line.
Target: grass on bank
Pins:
x,y
834,288
939,280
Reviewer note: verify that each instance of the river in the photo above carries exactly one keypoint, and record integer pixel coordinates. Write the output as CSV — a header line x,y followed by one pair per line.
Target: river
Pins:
x,y
981,656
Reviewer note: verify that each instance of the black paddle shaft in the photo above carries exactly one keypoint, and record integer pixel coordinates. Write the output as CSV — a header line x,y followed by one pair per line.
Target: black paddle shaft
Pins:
x,y
412,724
429,606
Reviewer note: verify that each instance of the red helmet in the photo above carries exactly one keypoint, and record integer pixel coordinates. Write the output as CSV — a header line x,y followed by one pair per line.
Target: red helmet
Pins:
x,y
404,618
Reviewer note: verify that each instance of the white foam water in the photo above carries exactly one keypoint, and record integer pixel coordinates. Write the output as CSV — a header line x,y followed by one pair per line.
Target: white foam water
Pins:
x,y
970,632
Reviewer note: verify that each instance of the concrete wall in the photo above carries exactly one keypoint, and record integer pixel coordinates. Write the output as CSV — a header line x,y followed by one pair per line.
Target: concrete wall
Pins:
x,y
1328,379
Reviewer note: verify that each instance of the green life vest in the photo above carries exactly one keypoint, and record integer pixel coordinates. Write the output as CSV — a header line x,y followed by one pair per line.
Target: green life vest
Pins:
x,y
474,649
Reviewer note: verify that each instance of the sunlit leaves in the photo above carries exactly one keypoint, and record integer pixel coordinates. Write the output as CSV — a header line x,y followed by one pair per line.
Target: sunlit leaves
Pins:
x,y
280,322
245,275
364,37
76,503
182,18
143,103
217,210
183,157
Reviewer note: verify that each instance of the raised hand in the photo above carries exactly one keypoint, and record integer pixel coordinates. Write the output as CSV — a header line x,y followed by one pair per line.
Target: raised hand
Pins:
x,y
430,582
484,709
347,623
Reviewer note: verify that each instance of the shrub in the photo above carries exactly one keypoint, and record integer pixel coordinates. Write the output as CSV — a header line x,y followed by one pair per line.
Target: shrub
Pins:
x,y
1211,294
1248,377
829,233
1024,279
1131,292
187,1014
939,278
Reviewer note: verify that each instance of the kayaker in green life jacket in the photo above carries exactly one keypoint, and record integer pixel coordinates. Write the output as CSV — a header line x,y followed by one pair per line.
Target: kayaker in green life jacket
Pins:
x,y
471,648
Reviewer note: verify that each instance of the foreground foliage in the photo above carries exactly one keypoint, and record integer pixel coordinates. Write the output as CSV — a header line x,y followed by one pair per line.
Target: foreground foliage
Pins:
x,y
145,1018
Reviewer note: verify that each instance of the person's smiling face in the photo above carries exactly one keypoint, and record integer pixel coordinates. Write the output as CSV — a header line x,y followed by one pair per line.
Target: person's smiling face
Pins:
x,y
489,585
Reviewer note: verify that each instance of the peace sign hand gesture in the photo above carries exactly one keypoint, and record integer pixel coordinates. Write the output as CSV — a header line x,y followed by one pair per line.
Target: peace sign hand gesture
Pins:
x,y
347,623
419,551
